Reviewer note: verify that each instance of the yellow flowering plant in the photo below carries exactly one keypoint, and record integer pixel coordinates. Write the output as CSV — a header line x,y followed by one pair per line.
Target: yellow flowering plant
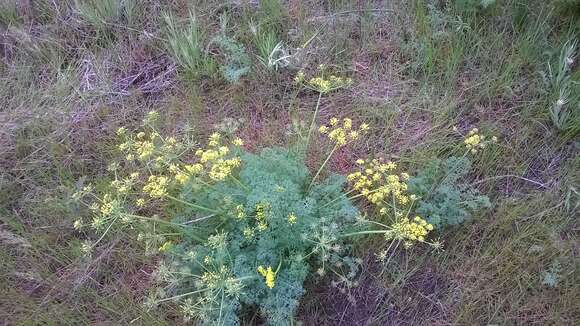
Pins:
x,y
239,229
381,184
408,208
475,141
236,228
323,85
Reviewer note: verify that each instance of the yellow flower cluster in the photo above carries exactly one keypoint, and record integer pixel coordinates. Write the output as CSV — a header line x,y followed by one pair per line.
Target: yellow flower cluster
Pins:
x,y
152,117
215,279
269,275
166,246
108,208
262,211
156,186
182,175
321,84
123,186
299,78
376,181
147,147
409,231
249,233
240,214
341,134
292,218
238,142
214,158
108,205
144,150
474,141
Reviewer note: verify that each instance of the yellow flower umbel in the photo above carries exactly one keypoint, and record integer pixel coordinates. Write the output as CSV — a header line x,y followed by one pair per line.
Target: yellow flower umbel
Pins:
x,y
269,275
215,160
262,211
183,174
156,186
166,246
409,231
292,218
238,142
320,83
239,213
299,78
376,181
343,133
474,141
340,134
326,85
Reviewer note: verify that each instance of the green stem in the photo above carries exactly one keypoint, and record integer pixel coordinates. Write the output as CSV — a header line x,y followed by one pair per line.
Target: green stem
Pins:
x,y
151,219
192,205
246,188
339,197
322,166
377,223
313,122
105,233
182,295
362,195
363,232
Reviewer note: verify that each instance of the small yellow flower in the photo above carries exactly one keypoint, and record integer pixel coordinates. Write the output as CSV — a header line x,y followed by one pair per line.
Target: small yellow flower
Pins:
x,y
409,231
347,123
268,274
194,168
86,247
248,233
333,122
121,131
140,202
240,212
292,218
214,140
152,116
323,129
299,77
166,246
238,142
353,135
156,186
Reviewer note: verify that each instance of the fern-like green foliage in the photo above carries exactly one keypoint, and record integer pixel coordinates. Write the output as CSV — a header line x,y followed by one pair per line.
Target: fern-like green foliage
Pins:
x,y
237,62
276,180
443,199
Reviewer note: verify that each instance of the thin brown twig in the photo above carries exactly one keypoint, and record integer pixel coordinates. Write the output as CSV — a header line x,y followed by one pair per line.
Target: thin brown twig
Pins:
x,y
511,176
